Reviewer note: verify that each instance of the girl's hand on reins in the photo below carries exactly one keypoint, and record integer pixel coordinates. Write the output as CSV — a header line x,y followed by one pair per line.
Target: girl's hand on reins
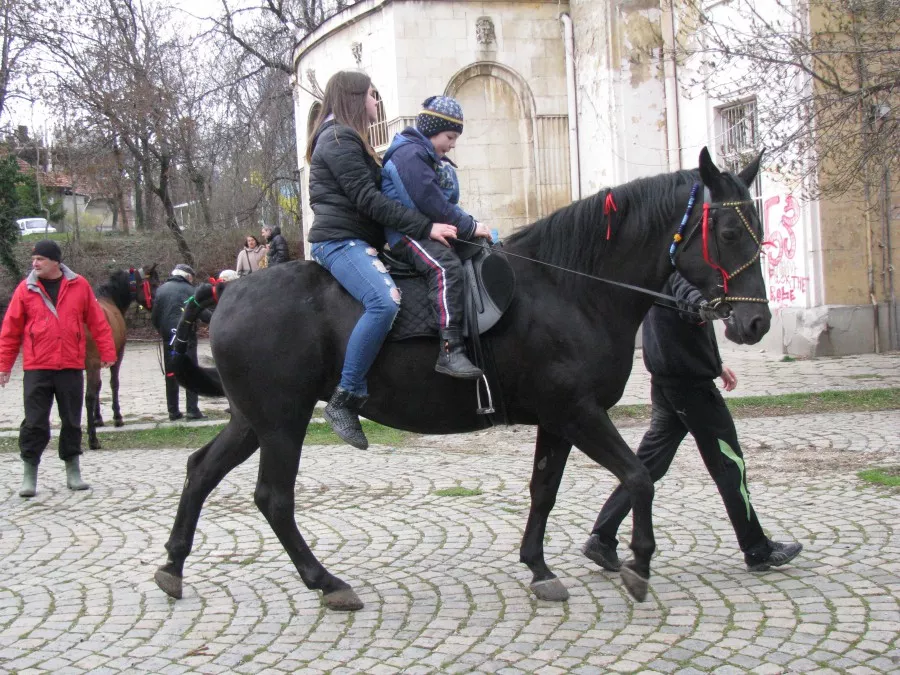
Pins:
x,y
442,232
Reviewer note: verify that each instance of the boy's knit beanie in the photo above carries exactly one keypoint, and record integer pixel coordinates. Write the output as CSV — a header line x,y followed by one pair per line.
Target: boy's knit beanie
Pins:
x,y
439,113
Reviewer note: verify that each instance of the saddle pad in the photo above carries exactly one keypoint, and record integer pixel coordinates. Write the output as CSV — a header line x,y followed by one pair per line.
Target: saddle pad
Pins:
x,y
418,315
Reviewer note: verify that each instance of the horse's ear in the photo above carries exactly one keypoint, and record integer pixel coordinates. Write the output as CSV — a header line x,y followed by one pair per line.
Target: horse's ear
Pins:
x,y
709,172
748,173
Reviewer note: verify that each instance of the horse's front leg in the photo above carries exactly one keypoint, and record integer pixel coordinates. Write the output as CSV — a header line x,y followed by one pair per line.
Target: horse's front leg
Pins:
x,y
550,455
594,434
114,388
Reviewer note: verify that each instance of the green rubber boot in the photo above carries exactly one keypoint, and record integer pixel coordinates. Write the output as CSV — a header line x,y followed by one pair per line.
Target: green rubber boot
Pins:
x,y
29,481
73,475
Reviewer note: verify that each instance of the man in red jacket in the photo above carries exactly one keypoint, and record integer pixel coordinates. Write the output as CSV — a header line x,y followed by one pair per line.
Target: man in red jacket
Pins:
x,y
46,318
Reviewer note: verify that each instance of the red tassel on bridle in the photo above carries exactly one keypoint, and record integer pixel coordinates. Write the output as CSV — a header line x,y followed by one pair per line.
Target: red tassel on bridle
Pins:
x,y
706,249
608,206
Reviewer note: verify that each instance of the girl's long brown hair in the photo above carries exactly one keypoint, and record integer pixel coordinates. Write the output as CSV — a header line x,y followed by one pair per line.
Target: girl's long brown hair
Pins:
x,y
345,98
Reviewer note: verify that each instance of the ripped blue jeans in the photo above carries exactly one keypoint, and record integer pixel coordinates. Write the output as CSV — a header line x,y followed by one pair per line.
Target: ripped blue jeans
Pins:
x,y
356,267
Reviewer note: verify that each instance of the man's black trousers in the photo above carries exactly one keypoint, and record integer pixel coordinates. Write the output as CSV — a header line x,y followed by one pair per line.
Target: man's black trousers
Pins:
x,y
699,409
172,387
40,388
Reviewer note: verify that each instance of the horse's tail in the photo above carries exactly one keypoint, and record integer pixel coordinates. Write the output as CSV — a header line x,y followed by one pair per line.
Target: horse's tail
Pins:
x,y
204,381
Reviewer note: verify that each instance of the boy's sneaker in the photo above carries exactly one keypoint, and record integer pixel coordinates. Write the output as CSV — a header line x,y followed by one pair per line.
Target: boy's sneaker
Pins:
x,y
601,553
781,554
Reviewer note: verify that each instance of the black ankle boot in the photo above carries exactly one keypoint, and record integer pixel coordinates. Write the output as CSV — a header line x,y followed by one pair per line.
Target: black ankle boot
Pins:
x,y
342,413
452,359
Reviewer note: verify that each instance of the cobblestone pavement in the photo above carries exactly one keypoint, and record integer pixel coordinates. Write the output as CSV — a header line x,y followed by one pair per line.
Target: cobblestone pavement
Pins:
x,y
440,577
142,393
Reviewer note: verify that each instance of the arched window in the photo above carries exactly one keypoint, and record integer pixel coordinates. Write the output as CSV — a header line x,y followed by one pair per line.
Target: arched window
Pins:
x,y
378,131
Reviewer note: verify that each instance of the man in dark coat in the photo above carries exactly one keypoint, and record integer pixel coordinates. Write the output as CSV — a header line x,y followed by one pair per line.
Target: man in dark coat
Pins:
x,y
681,353
278,246
167,311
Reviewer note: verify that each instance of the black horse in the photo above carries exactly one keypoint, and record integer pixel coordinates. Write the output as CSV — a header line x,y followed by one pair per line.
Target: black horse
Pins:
x,y
563,354
115,297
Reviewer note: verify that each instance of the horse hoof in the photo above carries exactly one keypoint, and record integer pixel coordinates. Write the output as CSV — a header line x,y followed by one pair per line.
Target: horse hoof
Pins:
x,y
169,583
635,583
99,423
95,445
119,422
550,589
344,600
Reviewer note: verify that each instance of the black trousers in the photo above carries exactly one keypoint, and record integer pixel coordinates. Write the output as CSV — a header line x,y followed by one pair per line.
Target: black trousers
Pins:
x,y
442,268
40,387
698,408
190,397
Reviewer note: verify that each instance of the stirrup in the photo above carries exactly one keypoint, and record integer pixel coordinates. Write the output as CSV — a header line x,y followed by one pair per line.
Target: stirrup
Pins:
x,y
482,410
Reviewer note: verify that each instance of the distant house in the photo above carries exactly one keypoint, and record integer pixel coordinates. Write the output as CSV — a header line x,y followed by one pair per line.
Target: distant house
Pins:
x,y
96,206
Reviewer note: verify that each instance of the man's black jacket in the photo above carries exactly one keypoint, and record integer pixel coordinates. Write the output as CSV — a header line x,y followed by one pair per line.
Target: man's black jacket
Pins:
x,y
345,192
167,307
278,248
678,347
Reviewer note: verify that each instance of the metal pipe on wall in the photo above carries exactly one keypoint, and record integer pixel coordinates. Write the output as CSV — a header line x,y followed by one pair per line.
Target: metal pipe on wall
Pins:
x,y
670,70
572,104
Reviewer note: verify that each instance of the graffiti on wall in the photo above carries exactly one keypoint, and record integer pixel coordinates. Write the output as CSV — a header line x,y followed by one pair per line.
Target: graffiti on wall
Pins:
x,y
784,259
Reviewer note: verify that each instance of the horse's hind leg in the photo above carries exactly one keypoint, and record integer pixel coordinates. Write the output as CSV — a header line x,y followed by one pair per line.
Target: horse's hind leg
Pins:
x,y
91,405
550,455
205,470
279,461
114,388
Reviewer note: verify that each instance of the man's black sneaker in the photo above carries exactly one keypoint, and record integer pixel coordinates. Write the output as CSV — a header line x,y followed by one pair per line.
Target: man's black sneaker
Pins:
x,y
781,554
601,553
175,416
196,416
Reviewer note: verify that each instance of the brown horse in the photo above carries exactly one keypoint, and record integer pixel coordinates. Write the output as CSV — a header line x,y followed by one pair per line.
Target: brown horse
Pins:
x,y
115,297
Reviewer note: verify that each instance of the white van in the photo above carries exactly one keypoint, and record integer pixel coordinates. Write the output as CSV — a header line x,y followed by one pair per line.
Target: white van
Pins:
x,y
34,226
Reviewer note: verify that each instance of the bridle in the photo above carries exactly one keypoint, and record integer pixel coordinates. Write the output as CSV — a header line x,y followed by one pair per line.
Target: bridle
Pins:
x,y
703,224
134,275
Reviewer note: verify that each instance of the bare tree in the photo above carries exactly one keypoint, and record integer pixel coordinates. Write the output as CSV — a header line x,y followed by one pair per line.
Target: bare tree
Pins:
x,y
17,42
119,70
827,77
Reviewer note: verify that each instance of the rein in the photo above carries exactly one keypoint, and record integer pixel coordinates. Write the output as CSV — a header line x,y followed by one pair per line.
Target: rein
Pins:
x,y
719,304
620,284
133,274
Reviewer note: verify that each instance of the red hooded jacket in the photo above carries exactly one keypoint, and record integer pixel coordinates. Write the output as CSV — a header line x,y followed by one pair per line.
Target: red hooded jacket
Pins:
x,y
53,338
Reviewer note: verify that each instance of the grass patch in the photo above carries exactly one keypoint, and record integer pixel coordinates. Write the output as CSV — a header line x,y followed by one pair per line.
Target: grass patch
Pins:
x,y
458,491
866,376
889,476
787,358
864,400
187,436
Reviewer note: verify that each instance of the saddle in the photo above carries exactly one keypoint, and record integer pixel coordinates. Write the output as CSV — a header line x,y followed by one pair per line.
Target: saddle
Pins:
x,y
490,283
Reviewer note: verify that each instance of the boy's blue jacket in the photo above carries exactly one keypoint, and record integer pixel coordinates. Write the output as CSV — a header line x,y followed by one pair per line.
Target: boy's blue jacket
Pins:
x,y
413,175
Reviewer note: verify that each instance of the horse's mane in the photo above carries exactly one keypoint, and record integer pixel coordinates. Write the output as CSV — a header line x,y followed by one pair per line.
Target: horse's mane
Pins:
x,y
574,236
117,289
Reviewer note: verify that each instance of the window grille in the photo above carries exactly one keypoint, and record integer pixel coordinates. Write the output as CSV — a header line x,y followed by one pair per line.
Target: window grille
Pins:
x,y
739,139
378,131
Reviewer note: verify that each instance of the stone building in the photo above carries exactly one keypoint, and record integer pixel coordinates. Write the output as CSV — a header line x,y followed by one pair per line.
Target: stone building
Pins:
x,y
564,98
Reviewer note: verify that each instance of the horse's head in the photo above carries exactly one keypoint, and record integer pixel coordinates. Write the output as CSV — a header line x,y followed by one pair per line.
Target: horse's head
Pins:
x,y
720,251
145,281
